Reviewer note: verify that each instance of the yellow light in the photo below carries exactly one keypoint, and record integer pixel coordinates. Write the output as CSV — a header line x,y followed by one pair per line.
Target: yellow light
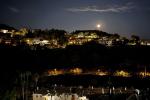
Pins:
x,y
144,74
45,98
101,73
5,31
76,71
122,73
54,72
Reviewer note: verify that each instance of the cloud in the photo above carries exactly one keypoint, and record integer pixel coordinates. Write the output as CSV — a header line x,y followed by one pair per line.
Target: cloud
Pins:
x,y
114,8
13,9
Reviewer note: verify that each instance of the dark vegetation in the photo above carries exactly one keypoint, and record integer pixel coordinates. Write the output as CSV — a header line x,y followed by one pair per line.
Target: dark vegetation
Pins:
x,y
18,59
86,56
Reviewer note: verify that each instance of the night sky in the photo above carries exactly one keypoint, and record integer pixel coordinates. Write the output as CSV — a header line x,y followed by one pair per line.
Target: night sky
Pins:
x,y
125,17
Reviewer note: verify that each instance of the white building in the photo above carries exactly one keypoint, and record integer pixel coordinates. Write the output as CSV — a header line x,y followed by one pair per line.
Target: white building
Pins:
x,y
58,97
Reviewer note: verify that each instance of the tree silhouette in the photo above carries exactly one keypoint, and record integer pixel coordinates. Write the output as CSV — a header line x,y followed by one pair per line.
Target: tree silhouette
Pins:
x,y
135,39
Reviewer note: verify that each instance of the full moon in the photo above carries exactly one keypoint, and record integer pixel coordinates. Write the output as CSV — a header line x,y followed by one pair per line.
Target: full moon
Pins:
x,y
98,25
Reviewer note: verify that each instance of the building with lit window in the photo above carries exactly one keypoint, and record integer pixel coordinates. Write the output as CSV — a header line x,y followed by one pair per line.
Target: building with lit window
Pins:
x,y
82,36
6,29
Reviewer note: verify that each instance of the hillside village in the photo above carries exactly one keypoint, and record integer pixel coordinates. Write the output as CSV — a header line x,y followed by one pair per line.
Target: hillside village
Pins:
x,y
55,38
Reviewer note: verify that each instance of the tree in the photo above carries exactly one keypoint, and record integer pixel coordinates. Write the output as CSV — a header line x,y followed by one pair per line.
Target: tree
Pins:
x,y
135,39
29,35
58,35
36,79
125,40
116,36
25,84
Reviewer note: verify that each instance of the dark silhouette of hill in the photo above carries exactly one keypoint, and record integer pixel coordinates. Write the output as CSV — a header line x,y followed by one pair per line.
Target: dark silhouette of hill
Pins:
x,y
4,26
88,55
99,33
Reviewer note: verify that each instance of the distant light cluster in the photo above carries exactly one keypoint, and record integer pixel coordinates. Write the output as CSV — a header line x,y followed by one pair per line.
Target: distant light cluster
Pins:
x,y
60,39
99,72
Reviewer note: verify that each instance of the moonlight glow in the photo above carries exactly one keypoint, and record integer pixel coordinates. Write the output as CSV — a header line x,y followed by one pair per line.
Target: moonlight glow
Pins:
x,y
98,26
